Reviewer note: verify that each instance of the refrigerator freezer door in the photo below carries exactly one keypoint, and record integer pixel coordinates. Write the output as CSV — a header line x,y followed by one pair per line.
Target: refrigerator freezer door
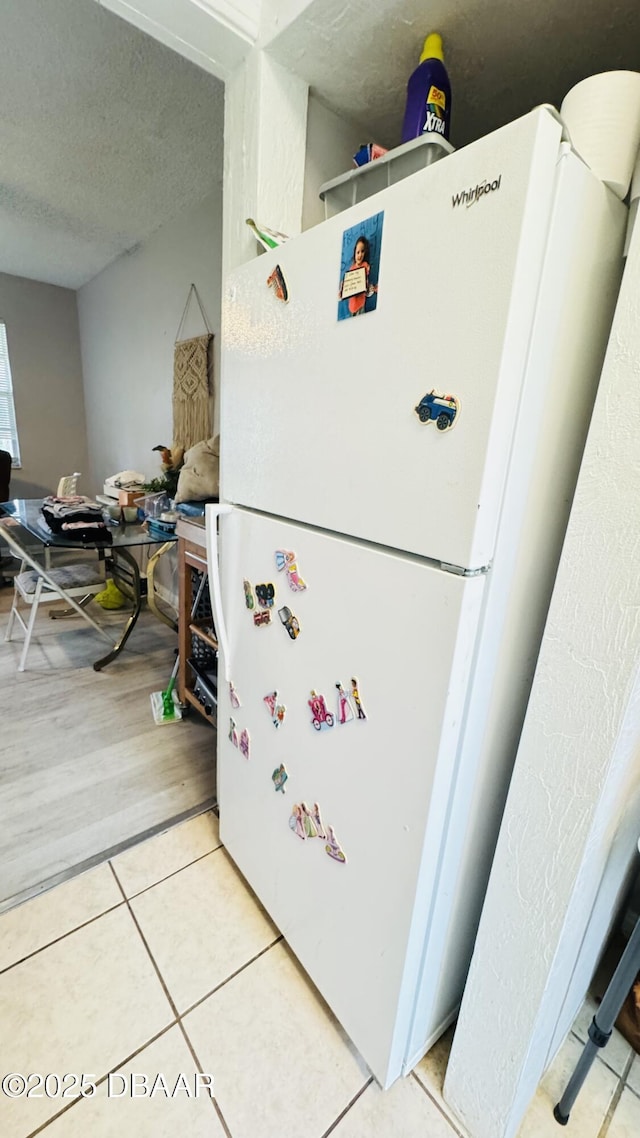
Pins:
x,y
404,632
319,419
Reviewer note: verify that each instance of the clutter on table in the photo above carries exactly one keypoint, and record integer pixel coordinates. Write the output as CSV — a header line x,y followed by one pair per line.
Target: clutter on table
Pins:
x,y
77,518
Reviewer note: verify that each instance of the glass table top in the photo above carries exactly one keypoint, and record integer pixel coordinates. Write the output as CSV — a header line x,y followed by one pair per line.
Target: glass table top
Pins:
x,y
28,512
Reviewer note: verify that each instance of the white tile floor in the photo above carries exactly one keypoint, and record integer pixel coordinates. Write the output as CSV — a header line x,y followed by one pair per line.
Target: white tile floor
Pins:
x,y
162,962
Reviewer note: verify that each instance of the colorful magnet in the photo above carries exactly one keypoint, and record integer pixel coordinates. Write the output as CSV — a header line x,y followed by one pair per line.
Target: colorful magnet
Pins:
x,y
280,776
286,559
315,814
276,710
233,732
310,828
276,281
320,717
355,695
245,742
294,579
234,698
360,267
443,408
290,622
262,618
345,710
266,595
333,847
248,594
296,822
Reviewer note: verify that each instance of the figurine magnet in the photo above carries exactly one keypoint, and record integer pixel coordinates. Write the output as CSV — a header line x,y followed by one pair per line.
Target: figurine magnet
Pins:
x,y
286,559
261,618
248,594
296,822
233,732
345,710
276,281
355,695
290,622
276,710
320,717
234,698
266,595
315,814
310,828
443,408
245,742
296,583
280,776
333,847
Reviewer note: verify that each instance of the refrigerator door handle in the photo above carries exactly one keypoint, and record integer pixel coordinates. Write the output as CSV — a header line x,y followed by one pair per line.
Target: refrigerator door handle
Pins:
x,y
212,513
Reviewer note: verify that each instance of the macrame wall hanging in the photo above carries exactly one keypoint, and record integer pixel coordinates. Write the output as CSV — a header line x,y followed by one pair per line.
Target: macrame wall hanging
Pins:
x,y
192,382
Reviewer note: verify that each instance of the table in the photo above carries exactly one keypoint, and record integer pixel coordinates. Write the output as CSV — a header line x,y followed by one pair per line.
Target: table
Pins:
x,y
120,563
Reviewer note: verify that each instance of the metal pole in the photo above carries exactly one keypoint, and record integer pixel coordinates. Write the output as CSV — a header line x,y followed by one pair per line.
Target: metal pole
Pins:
x,y
602,1023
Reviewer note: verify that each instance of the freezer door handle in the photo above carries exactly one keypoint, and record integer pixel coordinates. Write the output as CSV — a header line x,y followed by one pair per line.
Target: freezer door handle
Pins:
x,y
212,513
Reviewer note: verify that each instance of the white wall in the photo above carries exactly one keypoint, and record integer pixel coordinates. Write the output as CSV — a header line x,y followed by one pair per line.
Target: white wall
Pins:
x,y
129,316
573,814
44,351
331,143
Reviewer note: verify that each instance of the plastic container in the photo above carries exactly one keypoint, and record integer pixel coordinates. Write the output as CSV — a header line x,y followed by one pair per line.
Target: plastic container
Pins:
x,y
154,505
357,185
428,107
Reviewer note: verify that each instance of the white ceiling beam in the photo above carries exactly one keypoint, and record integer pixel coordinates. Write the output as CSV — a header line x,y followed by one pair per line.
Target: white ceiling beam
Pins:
x,y
278,15
217,35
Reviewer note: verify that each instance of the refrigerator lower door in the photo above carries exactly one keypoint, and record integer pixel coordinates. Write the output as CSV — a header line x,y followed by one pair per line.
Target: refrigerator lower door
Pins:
x,y
338,825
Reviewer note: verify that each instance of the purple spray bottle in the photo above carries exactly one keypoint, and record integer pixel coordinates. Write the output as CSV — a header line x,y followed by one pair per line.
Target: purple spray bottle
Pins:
x,y
428,94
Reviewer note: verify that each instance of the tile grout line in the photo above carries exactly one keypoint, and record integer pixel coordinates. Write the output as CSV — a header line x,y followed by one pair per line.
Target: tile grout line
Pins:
x,y
212,991
615,1098
103,1078
63,936
214,1101
233,975
172,1004
148,950
603,1053
347,1108
174,872
439,1106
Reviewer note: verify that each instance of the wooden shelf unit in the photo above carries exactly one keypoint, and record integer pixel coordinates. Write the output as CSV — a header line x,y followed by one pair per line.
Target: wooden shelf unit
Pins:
x,y
192,556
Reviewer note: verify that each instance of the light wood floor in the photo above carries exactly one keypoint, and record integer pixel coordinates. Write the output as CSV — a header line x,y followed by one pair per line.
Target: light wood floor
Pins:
x,y
84,771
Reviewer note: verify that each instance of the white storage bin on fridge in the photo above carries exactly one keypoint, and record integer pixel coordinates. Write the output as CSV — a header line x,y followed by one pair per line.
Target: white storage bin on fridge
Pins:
x,y
356,185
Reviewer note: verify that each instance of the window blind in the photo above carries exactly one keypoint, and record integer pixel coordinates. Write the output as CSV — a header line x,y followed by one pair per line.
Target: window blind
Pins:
x,y
8,427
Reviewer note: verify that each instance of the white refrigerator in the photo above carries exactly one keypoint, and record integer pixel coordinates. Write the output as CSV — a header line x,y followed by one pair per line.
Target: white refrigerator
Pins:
x,y
395,490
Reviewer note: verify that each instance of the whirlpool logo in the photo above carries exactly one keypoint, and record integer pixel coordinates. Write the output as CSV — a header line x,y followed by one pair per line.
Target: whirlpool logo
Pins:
x,y
473,195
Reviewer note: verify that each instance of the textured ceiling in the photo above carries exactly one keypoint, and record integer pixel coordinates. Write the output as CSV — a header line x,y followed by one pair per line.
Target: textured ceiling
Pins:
x,y
503,57
104,136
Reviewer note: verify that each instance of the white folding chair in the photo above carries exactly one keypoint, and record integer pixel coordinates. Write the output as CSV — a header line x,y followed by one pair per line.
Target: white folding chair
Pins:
x,y
30,587
68,485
